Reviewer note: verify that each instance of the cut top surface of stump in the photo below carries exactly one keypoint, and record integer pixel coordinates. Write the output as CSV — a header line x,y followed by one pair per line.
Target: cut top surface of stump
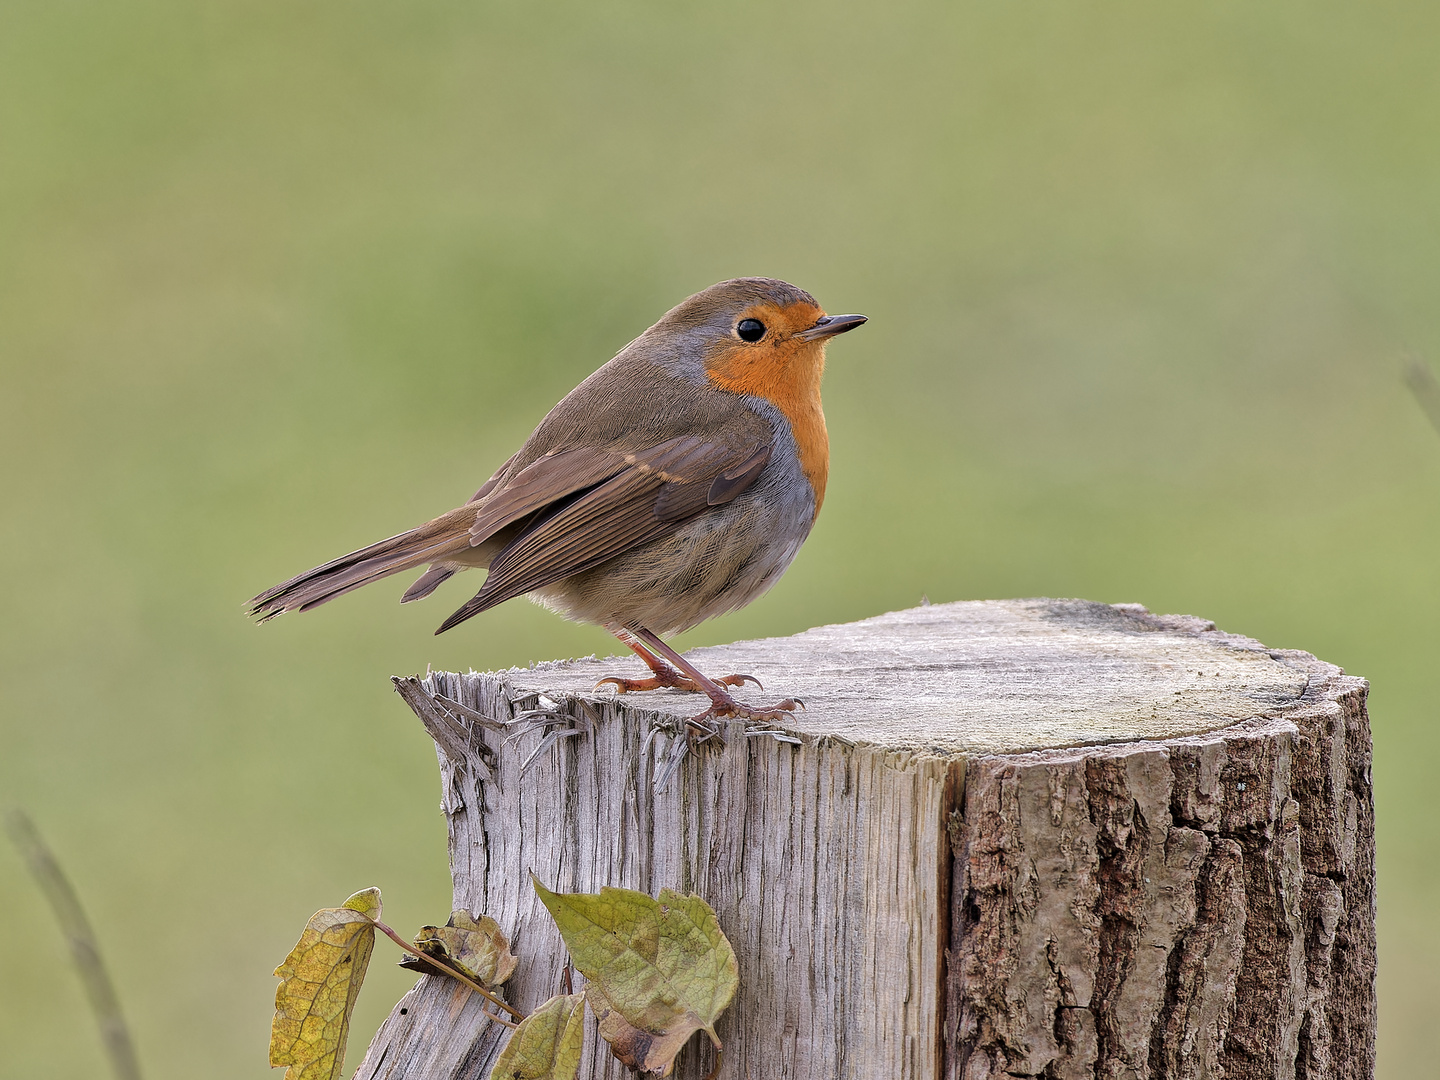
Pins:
x,y
984,677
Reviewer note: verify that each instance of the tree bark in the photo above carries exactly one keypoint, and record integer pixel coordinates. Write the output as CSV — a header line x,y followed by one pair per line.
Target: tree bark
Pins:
x,y
1025,838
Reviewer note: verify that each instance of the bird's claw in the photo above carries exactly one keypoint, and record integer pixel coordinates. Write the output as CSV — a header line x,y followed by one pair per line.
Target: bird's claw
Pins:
x,y
784,710
740,680
671,681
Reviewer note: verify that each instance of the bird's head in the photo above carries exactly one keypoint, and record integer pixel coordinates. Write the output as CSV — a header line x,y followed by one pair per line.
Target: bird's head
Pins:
x,y
755,336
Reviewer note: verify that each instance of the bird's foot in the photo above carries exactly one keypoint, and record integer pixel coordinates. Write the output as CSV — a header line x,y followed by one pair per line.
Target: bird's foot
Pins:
x,y
723,707
670,679
732,709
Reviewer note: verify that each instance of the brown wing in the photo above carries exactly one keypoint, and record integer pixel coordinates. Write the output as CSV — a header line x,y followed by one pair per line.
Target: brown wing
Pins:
x,y
551,477
654,492
489,485
541,483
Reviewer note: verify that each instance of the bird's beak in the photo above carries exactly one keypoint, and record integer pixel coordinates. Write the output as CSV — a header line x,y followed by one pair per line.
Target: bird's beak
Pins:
x,y
829,326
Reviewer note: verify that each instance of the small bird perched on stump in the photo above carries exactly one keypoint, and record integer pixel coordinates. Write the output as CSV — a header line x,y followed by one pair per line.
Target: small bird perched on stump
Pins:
x,y
674,484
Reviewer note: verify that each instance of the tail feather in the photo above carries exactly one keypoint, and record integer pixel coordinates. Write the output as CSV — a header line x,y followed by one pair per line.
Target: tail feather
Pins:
x,y
447,534
428,582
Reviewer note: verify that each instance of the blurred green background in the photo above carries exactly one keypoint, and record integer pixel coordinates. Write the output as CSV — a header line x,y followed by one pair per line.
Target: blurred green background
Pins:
x,y
278,279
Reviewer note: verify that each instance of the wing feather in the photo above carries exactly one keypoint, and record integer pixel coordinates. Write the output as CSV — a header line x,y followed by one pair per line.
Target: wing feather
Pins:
x,y
653,493
541,483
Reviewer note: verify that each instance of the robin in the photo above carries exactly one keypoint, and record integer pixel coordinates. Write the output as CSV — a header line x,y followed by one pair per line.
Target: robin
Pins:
x,y
674,484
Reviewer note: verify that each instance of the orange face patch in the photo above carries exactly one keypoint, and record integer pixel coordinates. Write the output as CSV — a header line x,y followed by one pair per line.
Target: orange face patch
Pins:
x,y
785,372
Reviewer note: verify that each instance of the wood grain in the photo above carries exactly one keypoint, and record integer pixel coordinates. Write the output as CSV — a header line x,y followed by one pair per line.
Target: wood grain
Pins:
x,y
1162,838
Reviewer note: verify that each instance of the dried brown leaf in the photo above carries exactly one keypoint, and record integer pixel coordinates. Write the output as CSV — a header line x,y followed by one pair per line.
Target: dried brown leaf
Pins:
x,y
476,946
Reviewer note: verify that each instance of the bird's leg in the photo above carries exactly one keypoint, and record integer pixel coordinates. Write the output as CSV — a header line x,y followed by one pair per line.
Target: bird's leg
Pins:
x,y
722,704
666,676
672,669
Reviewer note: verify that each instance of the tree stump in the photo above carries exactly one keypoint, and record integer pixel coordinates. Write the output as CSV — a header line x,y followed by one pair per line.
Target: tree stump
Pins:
x,y
1028,838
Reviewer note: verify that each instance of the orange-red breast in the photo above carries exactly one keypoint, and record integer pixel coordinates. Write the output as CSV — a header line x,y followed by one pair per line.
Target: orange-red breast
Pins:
x,y
674,484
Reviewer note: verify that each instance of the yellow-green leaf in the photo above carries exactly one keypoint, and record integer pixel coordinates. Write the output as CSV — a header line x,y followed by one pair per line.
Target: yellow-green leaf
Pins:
x,y
366,901
657,971
547,1044
319,981
476,946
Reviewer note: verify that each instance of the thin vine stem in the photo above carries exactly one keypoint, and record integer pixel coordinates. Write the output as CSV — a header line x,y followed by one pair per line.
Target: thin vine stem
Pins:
x,y
453,973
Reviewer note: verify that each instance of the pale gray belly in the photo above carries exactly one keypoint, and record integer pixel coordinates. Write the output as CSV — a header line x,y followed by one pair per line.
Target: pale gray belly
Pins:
x,y
716,563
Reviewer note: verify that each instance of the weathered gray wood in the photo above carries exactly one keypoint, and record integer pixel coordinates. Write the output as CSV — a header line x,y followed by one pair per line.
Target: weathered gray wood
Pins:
x,y
1162,843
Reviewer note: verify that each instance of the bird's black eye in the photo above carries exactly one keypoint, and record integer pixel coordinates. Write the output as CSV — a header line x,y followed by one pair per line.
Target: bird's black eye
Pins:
x,y
750,329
